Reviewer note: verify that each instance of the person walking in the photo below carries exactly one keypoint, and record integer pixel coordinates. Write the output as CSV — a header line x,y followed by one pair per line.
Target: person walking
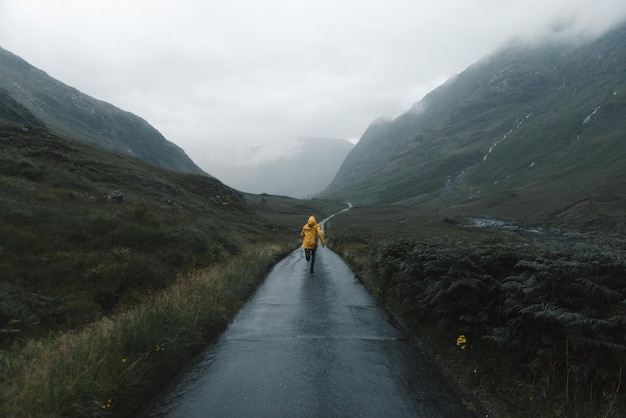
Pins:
x,y
311,232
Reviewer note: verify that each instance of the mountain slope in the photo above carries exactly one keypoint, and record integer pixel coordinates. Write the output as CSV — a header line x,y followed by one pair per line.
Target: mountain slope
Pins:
x,y
72,113
525,133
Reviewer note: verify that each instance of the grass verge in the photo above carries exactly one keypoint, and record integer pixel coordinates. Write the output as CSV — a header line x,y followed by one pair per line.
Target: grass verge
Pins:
x,y
114,366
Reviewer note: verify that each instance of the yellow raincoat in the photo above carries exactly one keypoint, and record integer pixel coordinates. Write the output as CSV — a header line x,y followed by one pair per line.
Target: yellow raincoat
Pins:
x,y
311,231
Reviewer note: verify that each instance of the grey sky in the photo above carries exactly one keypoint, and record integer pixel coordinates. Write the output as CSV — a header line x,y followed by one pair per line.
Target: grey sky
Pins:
x,y
237,81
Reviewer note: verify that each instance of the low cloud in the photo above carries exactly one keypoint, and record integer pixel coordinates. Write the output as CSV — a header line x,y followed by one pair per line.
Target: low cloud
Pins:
x,y
235,83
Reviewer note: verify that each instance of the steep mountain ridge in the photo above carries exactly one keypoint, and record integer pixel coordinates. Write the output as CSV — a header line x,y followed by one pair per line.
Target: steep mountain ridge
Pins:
x,y
524,133
70,112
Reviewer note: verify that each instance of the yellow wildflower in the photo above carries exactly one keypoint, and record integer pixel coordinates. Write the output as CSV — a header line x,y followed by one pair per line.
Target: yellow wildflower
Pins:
x,y
461,341
107,404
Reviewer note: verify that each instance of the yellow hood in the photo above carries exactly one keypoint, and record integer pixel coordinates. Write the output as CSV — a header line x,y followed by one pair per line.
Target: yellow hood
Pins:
x,y
311,233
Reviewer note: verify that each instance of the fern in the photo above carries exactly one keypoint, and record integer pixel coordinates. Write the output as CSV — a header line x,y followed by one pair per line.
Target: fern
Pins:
x,y
603,292
554,313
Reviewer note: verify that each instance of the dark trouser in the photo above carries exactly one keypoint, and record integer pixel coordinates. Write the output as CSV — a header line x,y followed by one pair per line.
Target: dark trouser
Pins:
x,y
311,251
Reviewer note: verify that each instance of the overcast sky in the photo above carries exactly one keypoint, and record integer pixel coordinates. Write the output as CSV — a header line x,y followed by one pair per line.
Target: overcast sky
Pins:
x,y
238,81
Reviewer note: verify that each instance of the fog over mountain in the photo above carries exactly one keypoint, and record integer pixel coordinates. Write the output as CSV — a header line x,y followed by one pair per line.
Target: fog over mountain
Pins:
x,y
238,81
533,131
302,172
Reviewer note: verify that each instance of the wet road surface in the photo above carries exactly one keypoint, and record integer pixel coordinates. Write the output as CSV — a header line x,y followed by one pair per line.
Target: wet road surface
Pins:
x,y
311,346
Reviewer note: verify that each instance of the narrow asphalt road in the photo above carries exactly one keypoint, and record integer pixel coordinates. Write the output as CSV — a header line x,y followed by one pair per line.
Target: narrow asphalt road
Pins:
x,y
311,346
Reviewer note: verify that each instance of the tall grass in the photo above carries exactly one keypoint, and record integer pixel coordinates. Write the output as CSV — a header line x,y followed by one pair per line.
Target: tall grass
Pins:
x,y
115,365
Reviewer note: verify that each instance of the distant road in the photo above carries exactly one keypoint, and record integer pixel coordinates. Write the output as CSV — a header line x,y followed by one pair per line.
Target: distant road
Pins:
x,y
311,346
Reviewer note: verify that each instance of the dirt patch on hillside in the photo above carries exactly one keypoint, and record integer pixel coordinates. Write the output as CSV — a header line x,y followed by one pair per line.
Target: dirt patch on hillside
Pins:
x,y
604,215
577,214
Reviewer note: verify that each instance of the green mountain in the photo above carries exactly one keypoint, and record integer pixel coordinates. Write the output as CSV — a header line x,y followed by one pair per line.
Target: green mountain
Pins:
x,y
533,133
71,113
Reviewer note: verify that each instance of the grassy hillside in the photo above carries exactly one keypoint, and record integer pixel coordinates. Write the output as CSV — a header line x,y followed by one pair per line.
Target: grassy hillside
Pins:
x,y
69,253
